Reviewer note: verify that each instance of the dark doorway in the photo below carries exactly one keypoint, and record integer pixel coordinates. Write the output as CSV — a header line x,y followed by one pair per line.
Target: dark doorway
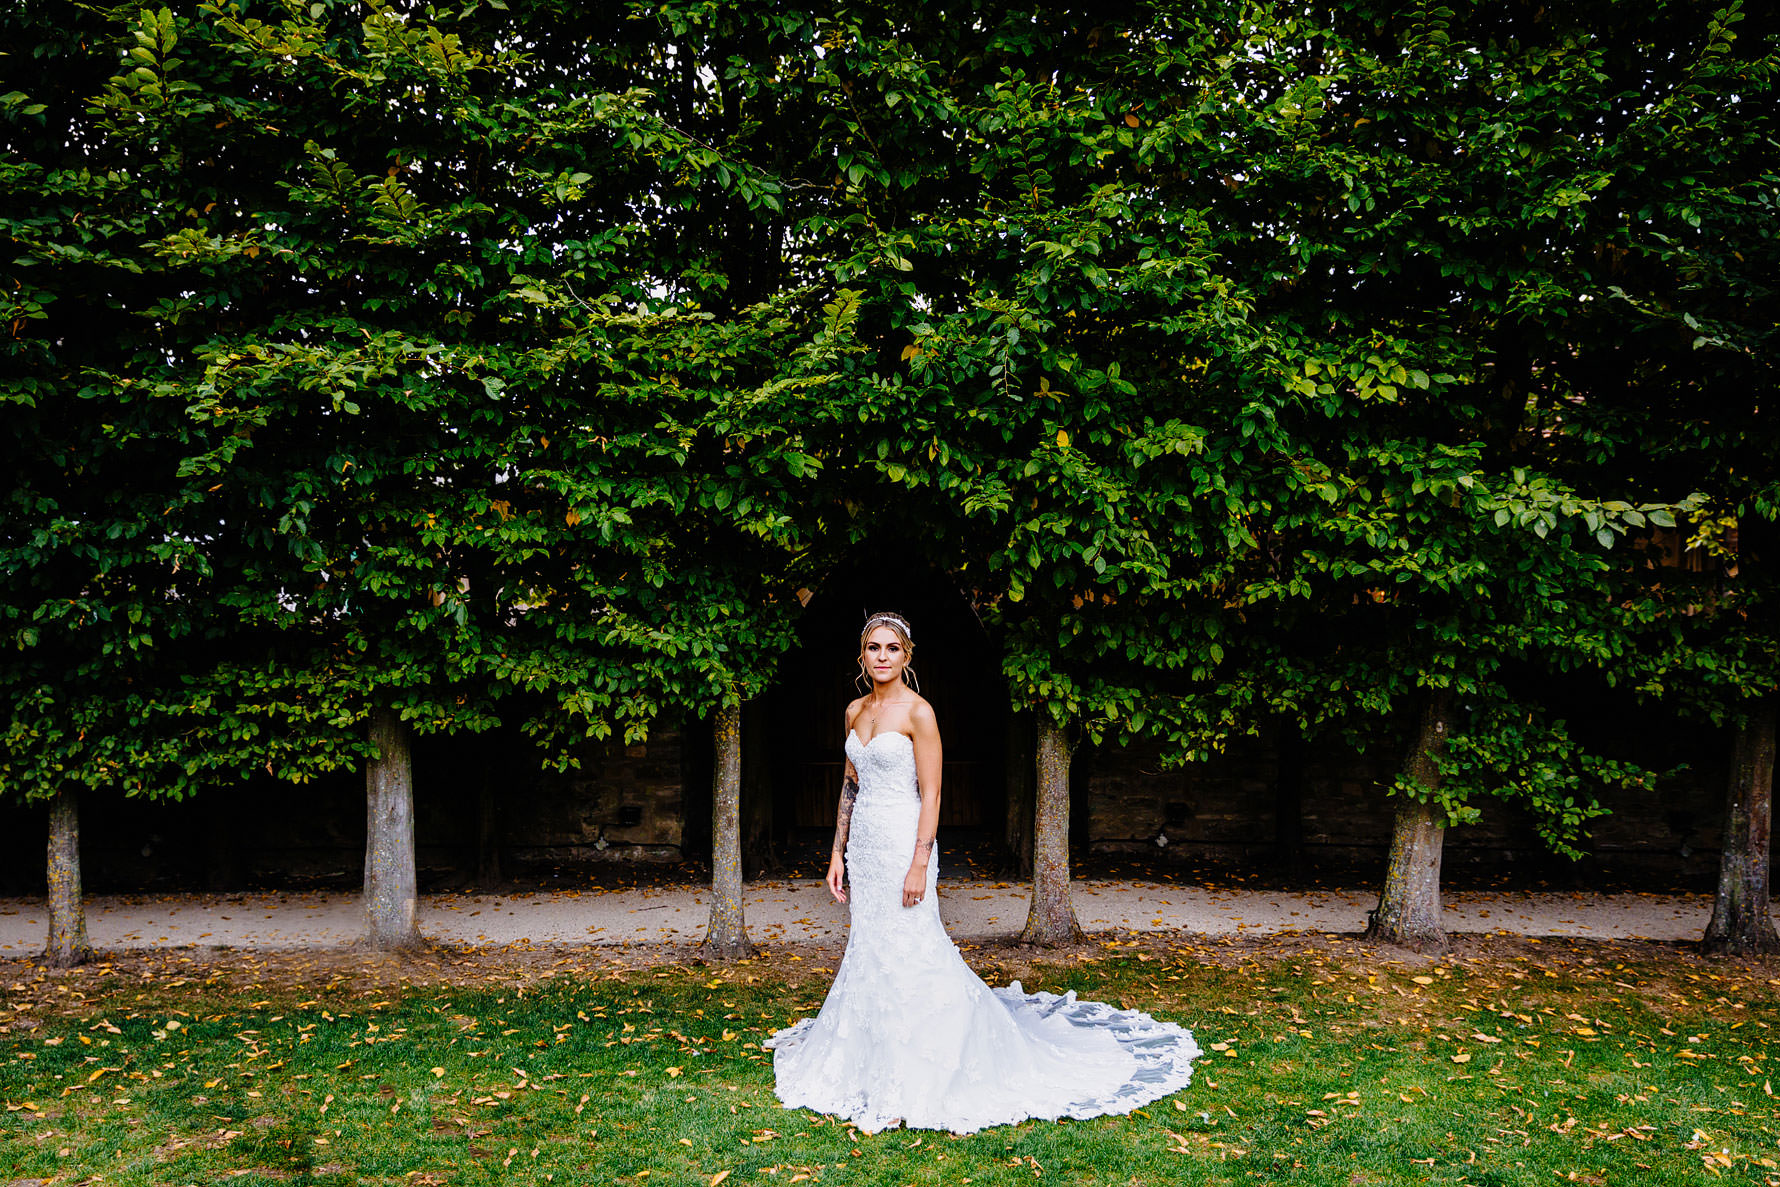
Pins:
x,y
959,674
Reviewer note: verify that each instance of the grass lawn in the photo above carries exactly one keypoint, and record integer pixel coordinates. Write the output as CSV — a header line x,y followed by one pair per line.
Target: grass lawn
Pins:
x,y
1508,1062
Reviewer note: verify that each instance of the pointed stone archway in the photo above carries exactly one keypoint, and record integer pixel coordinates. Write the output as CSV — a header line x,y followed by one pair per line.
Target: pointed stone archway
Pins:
x,y
798,745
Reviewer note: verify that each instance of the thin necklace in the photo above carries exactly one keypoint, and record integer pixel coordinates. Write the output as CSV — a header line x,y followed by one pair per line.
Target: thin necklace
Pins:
x,y
874,715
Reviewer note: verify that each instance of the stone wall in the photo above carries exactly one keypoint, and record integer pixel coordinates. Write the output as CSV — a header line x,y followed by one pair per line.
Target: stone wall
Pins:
x,y
625,804
1226,812
630,804
622,803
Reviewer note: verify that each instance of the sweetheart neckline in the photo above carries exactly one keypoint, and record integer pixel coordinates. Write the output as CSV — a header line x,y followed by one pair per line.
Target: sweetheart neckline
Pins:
x,y
865,745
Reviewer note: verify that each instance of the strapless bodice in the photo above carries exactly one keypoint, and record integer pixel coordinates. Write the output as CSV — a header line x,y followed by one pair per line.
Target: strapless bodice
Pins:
x,y
886,765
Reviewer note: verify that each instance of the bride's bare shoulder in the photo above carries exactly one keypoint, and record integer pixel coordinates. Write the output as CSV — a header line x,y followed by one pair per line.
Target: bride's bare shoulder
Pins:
x,y
921,714
854,708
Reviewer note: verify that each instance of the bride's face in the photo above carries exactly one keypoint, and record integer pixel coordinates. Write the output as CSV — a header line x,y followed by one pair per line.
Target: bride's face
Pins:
x,y
885,656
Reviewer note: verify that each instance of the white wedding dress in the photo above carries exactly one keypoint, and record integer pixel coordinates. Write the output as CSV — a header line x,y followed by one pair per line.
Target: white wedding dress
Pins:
x,y
909,1035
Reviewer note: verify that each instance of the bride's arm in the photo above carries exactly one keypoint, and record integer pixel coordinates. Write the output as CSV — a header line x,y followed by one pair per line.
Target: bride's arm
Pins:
x,y
843,823
928,764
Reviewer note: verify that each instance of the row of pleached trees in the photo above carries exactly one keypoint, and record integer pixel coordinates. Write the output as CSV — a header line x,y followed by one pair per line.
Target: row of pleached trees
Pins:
x,y
1360,369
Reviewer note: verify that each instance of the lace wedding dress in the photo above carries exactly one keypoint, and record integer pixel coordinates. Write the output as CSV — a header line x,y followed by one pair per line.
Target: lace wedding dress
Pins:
x,y
909,1035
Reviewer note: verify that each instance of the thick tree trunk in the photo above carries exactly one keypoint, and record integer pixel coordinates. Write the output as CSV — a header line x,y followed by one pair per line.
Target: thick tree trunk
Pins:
x,y
1020,795
391,892
726,936
67,944
1742,923
1288,801
1408,912
1051,920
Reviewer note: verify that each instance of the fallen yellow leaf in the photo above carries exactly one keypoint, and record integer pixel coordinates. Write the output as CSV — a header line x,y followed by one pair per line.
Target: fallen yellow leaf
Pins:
x,y
717,1178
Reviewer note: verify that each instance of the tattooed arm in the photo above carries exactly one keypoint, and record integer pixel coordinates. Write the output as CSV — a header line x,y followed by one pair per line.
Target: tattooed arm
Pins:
x,y
843,819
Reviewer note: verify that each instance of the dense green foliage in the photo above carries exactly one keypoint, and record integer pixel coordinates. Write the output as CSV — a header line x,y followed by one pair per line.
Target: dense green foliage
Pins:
x,y
1247,364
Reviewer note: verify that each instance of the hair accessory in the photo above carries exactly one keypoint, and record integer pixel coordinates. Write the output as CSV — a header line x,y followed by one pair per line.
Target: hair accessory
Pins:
x,y
888,619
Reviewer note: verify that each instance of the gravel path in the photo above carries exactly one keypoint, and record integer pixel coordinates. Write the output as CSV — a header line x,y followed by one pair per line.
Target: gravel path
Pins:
x,y
800,909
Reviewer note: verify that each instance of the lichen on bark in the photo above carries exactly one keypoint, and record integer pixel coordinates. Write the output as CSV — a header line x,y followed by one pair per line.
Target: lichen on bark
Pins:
x,y
67,945
391,890
1742,921
1051,920
1408,912
726,935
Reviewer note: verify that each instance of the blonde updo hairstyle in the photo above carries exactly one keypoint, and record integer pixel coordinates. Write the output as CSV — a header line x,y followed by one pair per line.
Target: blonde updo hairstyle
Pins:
x,y
899,626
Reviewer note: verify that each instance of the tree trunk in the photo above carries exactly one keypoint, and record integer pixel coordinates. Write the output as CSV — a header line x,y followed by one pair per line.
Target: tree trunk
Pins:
x,y
726,936
1020,795
1288,800
1742,924
391,894
1408,912
1052,919
67,944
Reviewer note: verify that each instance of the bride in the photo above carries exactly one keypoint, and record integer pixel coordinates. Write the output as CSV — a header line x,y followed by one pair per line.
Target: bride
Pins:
x,y
908,1034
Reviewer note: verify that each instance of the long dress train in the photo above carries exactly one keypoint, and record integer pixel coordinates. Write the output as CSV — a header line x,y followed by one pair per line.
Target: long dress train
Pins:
x,y
909,1034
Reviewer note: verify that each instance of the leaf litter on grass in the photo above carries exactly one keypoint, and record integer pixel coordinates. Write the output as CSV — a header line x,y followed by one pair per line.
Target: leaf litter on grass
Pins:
x,y
1501,1062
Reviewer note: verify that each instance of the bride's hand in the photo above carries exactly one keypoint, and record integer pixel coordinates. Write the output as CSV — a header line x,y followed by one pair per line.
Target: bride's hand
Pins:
x,y
914,886
836,873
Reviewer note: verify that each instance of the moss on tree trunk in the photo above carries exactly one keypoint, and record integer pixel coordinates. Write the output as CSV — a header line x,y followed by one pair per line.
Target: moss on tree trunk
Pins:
x,y
67,945
1408,912
1051,921
726,936
391,893
1742,921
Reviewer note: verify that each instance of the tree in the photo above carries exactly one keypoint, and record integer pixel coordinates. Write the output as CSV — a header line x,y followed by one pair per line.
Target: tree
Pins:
x,y
1248,369
106,685
992,278
1742,920
726,935
1437,503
